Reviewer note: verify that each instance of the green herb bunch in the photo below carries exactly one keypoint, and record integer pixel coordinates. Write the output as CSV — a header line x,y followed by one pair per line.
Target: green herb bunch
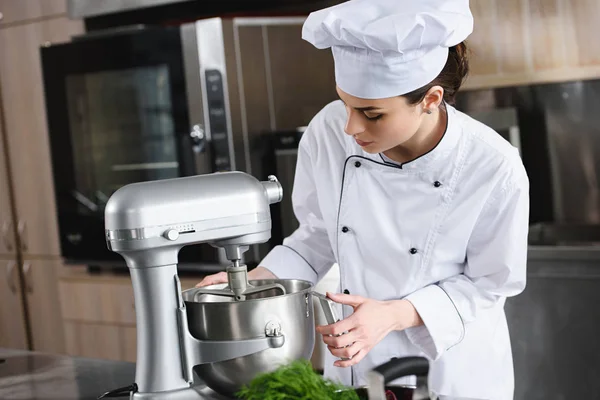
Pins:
x,y
295,381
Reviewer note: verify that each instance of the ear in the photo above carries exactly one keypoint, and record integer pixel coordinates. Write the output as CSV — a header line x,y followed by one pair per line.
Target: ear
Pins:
x,y
433,98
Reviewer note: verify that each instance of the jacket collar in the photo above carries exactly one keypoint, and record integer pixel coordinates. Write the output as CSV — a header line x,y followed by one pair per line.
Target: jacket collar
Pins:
x,y
440,152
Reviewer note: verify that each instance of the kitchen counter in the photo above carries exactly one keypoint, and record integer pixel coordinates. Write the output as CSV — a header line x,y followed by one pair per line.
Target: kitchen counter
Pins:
x,y
28,375
584,253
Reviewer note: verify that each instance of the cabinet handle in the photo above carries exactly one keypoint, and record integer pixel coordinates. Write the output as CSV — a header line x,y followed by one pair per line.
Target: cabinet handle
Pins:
x,y
22,230
27,276
6,235
10,276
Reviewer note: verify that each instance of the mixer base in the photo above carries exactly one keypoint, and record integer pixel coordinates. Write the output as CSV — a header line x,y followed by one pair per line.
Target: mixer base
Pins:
x,y
192,393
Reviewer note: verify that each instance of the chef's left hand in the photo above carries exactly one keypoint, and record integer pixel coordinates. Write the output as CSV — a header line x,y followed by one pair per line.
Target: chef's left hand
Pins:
x,y
371,321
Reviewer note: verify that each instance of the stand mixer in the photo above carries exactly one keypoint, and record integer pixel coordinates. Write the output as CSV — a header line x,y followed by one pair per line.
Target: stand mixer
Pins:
x,y
178,333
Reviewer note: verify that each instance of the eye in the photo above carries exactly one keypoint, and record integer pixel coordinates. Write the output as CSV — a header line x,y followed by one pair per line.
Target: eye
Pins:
x,y
373,117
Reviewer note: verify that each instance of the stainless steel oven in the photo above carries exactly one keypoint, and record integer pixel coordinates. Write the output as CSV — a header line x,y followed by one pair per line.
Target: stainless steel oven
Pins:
x,y
148,103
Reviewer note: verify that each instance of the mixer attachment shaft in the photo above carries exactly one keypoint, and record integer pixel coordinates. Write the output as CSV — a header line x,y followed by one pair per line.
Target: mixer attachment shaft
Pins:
x,y
238,286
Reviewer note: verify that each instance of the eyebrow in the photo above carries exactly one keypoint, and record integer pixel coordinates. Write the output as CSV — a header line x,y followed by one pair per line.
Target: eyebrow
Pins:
x,y
369,108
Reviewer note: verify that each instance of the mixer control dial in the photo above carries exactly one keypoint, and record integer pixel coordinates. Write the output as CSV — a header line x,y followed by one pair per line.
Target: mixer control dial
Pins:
x,y
171,234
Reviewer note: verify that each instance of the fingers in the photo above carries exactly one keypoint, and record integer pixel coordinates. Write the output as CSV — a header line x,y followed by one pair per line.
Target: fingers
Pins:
x,y
353,361
340,327
347,299
346,352
214,279
341,341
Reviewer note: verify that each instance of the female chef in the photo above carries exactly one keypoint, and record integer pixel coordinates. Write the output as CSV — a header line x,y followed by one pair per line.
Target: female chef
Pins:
x,y
424,209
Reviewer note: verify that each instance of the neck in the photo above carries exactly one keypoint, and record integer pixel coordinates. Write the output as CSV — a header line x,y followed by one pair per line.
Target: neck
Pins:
x,y
423,141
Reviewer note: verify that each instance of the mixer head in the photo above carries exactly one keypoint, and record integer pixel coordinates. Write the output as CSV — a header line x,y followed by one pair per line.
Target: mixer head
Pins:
x,y
149,222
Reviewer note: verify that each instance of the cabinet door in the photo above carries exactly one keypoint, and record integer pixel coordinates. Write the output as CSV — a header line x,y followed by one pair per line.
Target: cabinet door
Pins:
x,y
45,319
101,301
26,130
15,11
106,341
7,237
94,340
12,321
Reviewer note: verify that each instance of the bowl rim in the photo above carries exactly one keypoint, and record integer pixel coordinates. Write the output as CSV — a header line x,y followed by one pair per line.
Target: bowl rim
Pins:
x,y
308,290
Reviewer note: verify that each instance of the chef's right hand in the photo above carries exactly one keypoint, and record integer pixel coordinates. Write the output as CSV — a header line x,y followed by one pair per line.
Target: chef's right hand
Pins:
x,y
221,277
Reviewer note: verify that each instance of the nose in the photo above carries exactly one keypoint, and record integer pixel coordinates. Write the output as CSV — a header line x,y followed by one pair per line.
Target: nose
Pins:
x,y
354,123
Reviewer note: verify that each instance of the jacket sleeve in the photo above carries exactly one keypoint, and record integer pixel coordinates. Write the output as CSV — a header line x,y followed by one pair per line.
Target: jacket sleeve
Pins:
x,y
495,269
306,254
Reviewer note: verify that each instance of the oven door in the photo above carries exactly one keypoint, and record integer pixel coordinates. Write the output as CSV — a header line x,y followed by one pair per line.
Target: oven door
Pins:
x,y
117,113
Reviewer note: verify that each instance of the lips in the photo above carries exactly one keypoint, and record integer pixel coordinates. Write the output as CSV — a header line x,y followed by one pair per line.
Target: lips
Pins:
x,y
361,143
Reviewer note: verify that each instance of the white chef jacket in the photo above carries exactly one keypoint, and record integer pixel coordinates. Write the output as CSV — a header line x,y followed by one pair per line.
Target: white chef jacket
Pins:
x,y
447,231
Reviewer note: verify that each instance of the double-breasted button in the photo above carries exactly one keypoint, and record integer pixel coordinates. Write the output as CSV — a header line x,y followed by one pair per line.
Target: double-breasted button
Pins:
x,y
413,251
437,183
345,229
357,164
346,291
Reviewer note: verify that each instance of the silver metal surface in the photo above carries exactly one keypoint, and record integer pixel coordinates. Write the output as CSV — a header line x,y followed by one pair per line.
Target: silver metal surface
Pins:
x,y
422,390
213,351
554,328
376,386
89,8
211,53
328,308
231,320
241,98
274,189
202,199
269,76
559,125
159,353
187,228
238,286
572,127
193,89
147,224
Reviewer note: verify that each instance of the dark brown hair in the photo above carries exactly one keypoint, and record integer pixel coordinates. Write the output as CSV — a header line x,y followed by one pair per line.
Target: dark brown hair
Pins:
x,y
450,79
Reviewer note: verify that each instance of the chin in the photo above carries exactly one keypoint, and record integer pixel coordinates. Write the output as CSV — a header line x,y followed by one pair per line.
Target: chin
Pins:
x,y
374,150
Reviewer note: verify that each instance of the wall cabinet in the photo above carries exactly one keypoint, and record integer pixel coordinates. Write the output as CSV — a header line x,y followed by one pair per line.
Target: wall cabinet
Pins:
x,y
26,131
518,42
29,250
19,11
12,319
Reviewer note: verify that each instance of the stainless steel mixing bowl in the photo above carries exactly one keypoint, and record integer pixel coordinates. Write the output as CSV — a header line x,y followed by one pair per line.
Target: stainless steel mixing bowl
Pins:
x,y
213,317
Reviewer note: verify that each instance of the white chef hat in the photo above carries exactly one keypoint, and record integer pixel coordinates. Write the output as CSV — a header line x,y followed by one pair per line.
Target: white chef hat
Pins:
x,y
386,48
